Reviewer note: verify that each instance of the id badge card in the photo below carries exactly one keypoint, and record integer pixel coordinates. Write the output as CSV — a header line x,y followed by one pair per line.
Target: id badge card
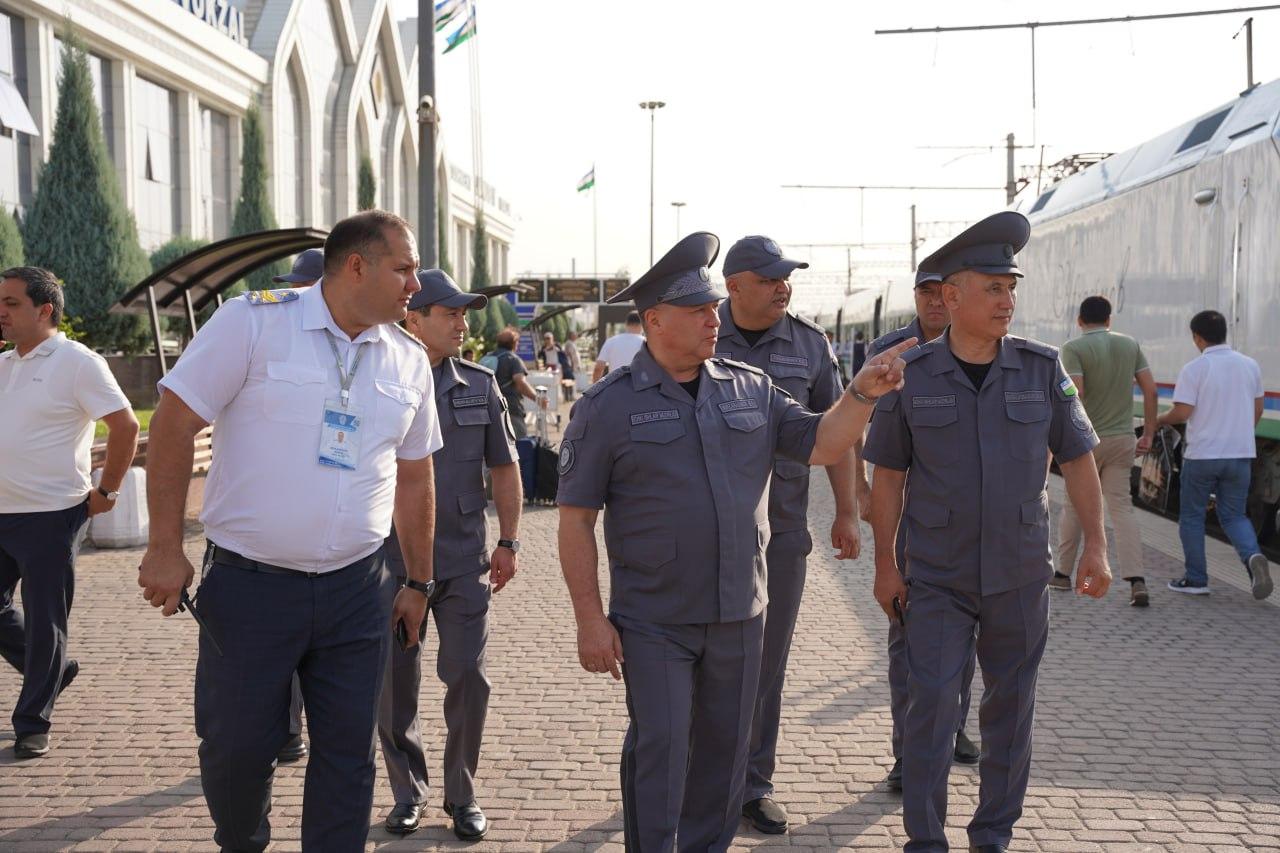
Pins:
x,y
340,434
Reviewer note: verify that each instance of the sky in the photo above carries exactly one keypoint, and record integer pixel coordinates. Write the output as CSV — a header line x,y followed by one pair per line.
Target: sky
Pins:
x,y
759,95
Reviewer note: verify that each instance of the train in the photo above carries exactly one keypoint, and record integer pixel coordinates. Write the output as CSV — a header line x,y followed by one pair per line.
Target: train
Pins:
x,y
1180,223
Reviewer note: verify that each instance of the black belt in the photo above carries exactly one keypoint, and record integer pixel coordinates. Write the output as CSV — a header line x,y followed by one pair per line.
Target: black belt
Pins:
x,y
227,557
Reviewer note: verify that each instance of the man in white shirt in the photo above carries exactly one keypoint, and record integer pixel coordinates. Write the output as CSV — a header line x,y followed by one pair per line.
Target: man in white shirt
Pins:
x,y
1219,397
620,349
325,426
52,390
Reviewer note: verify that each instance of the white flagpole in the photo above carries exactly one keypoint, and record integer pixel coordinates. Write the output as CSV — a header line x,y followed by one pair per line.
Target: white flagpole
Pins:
x,y
595,258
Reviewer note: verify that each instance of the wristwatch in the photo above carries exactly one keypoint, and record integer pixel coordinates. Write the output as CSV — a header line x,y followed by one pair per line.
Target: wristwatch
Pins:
x,y
513,544
111,496
426,588
860,397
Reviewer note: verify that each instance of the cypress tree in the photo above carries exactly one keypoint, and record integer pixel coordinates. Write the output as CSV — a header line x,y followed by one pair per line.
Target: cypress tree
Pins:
x,y
480,255
11,253
366,185
253,207
78,226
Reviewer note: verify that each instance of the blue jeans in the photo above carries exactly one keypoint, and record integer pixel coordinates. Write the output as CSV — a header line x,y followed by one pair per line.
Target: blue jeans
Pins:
x,y
1228,481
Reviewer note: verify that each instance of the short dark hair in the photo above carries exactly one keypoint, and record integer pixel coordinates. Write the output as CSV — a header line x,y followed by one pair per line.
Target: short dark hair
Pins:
x,y
1211,326
43,288
633,319
1095,310
364,234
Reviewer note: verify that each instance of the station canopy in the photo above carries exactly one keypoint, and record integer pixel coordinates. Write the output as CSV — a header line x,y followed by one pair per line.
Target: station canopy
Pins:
x,y
202,276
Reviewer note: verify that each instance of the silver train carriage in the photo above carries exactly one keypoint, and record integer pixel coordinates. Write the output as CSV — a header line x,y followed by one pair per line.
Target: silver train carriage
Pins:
x,y
1183,222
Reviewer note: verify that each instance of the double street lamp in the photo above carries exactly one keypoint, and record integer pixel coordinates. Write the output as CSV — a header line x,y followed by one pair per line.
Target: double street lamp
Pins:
x,y
677,205
652,107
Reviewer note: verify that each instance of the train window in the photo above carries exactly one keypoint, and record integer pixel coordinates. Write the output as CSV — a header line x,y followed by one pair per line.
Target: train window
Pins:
x,y
1042,201
1203,130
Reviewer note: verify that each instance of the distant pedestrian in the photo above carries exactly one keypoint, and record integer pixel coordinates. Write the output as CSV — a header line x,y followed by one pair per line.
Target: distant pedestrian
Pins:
x,y
1219,397
1104,366
510,372
52,390
620,349
574,369
859,351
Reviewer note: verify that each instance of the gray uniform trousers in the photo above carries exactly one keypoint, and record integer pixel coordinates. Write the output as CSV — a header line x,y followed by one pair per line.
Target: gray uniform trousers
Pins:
x,y
460,607
1011,630
691,690
785,558
898,668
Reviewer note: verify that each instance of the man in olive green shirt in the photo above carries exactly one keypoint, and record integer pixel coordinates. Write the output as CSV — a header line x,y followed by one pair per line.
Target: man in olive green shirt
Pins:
x,y
1104,366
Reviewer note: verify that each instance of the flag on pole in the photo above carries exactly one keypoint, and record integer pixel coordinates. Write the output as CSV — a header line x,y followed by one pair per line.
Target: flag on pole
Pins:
x,y
446,11
588,180
466,31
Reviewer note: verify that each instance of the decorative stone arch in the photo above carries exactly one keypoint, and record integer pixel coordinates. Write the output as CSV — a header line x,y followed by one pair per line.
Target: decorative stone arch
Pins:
x,y
292,74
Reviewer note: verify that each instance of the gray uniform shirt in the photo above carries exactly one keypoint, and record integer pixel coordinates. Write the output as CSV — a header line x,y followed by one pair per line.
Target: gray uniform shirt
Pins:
x,y
796,355
977,513
888,339
682,484
473,421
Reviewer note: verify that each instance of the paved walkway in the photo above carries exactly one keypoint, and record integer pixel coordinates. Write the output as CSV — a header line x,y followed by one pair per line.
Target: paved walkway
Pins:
x,y
1156,729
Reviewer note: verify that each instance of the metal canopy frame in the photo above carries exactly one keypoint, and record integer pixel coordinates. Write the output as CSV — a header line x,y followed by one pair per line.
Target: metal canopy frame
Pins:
x,y
194,281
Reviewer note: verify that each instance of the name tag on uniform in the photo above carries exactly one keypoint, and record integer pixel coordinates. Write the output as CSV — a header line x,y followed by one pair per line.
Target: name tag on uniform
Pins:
x,y
463,402
738,405
797,360
340,435
933,402
649,417
1024,396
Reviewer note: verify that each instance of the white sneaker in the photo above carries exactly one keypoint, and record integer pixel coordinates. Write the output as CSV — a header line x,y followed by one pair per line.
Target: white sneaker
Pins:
x,y
1260,570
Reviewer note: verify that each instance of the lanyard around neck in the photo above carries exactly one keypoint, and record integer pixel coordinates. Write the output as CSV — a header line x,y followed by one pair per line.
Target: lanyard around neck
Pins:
x,y
345,379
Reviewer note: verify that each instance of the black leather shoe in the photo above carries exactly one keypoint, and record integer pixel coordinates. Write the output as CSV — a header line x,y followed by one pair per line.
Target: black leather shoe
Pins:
x,y
69,674
766,815
31,746
469,822
404,818
967,751
894,779
987,848
295,749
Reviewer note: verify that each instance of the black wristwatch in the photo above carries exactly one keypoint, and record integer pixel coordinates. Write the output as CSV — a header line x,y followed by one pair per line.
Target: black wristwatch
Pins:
x,y
513,544
111,496
425,588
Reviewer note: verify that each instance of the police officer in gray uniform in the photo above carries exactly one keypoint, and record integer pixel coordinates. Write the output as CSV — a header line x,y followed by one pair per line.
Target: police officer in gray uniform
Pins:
x,y
678,449
975,423
757,329
477,433
930,322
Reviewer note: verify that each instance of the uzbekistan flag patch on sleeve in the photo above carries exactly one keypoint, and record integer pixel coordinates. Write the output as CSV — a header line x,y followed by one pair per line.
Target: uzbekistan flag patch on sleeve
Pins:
x,y
1068,387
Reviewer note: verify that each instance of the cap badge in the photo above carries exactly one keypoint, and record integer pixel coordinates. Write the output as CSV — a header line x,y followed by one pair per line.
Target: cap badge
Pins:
x,y
772,248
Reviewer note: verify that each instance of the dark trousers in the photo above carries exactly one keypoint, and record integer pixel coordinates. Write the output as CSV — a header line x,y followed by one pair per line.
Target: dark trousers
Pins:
x,y
785,558
1011,631
691,690
39,550
333,630
899,668
460,608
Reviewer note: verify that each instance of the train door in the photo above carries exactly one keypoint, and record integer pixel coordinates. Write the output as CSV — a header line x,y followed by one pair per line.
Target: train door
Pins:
x,y
875,318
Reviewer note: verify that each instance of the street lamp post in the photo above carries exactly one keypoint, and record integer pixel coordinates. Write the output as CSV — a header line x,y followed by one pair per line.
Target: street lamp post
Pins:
x,y
652,107
677,205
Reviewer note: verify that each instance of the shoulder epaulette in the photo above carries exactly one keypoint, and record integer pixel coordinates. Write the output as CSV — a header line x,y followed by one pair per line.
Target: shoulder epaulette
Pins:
x,y
886,340
804,321
471,365
1036,347
915,354
608,379
728,362
272,297
408,335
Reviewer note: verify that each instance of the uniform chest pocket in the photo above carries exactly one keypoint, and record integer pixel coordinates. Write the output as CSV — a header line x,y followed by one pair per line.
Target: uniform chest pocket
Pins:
x,y
748,421
746,442
396,406
657,432
1028,425
793,379
293,393
935,433
467,435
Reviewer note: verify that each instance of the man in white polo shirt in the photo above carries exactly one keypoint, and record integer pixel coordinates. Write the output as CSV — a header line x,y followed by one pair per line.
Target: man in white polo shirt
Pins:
x,y
1219,397
52,390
